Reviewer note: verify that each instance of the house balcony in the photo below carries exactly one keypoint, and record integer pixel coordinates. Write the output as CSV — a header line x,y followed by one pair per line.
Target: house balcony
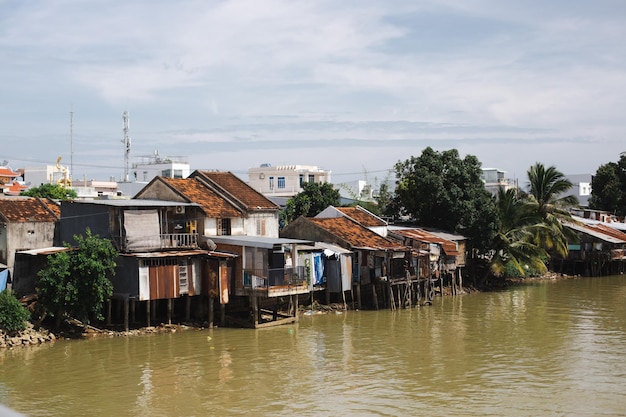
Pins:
x,y
165,241
275,282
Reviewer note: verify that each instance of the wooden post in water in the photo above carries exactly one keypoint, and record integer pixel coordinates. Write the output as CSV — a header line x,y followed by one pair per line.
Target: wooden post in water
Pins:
x,y
255,310
211,315
374,296
148,312
126,302
169,311
223,315
109,312
133,305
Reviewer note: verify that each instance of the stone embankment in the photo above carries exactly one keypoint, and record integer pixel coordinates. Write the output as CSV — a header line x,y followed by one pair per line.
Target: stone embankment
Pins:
x,y
26,337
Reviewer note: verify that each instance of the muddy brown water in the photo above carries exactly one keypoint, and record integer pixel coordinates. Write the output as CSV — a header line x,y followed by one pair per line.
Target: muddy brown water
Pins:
x,y
549,349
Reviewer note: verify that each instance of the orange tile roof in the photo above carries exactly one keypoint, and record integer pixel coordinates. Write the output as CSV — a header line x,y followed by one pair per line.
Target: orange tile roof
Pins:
x,y
27,209
212,204
356,235
6,172
238,189
449,247
362,216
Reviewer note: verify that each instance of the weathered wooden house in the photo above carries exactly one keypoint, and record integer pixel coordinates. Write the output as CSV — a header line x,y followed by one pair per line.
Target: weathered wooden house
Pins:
x,y
241,211
160,253
441,256
26,223
600,250
267,269
260,215
377,261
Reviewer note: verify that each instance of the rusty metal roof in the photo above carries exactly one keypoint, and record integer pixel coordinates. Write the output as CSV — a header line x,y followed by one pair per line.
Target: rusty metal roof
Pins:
x,y
28,209
362,216
180,253
357,235
448,246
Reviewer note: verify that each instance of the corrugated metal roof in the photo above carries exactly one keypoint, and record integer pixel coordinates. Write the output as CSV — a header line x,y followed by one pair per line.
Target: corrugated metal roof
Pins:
x,y
179,253
591,231
45,251
258,241
449,247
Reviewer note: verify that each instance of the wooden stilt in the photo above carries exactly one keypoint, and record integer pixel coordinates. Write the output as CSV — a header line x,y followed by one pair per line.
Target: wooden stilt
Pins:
x,y
187,308
109,312
223,315
126,308
374,296
133,306
169,311
148,312
255,310
358,294
153,309
211,318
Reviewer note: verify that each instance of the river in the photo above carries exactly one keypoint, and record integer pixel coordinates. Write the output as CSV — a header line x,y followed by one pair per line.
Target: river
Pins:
x,y
555,348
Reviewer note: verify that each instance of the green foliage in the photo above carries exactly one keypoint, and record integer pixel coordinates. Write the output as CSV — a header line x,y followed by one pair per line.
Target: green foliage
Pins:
x,y
52,191
313,198
76,282
13,315
514,251
608,187
546,188
441,190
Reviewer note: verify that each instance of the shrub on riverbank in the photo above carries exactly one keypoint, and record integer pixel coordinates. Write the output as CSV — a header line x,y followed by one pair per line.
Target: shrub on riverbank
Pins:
x,y
13,315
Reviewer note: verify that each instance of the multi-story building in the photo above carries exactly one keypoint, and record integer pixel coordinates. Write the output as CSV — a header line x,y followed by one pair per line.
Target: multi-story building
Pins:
x,y
284,180
495,179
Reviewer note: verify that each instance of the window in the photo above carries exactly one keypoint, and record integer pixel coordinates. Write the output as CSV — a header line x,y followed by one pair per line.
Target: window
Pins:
x,y
301,180
271,183
223,227
281,182
311,178
167,173
260,227
178,173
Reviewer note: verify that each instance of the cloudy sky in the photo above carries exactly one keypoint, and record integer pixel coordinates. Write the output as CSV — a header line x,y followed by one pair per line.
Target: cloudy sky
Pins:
x,y
350,86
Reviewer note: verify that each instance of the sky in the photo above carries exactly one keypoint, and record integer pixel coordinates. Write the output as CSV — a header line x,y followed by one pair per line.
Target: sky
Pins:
x,y
351,86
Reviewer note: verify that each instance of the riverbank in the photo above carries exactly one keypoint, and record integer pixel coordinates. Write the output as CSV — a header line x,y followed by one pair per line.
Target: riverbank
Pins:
x,y
73,329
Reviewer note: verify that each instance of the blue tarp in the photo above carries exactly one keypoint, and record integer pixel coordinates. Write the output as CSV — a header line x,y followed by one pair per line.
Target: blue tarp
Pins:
x,y
4,276
318,264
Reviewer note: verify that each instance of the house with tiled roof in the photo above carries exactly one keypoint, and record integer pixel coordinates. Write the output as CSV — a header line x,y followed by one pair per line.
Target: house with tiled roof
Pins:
x,y
26,223
230,206
359,214
9,185
163,263
379,263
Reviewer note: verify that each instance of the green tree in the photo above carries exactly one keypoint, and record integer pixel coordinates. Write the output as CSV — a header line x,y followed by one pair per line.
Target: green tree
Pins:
x,y
52,191
608,187
441,190
13,315
514,247
546,193
313,198
76,283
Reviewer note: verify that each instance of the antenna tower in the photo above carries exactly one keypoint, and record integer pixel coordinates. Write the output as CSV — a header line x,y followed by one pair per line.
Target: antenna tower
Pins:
x,y
71,143
126,142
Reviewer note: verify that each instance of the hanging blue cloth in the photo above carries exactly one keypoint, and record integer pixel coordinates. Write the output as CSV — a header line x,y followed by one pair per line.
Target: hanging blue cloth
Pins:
x,y
4,276
318,264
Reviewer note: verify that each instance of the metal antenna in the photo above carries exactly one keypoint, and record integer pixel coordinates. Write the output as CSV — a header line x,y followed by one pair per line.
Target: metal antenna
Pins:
x,y
126,142
71,143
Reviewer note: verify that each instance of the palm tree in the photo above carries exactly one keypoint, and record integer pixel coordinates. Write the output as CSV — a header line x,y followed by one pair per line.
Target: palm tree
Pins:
x,y
514,243
547,189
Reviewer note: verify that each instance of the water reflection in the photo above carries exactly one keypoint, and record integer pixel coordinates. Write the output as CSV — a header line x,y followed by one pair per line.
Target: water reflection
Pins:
x,y
546,349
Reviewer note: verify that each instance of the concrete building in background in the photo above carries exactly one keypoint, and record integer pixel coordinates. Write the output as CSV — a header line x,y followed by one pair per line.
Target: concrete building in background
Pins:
x,y
495,179
285,180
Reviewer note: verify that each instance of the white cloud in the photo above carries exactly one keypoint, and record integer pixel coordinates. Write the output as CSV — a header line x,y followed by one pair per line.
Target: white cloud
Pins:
x,y
484,76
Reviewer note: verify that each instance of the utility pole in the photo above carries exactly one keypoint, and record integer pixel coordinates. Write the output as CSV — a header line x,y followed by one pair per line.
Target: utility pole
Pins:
x,y
126,142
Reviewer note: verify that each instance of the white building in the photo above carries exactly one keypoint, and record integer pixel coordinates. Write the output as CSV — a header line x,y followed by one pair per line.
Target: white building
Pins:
x,y
155,165
284,180
495,179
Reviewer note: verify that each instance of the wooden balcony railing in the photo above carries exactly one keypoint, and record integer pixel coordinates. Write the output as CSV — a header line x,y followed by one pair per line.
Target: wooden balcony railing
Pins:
x,y
158,242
